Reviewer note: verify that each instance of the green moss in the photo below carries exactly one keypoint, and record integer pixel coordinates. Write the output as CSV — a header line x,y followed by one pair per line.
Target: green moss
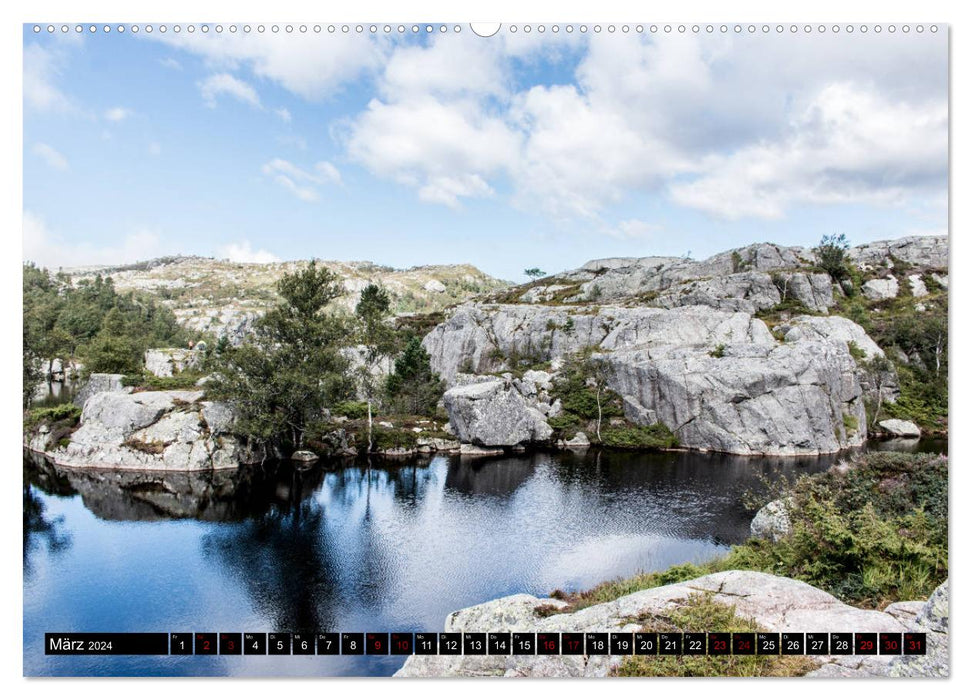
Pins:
x,y
701,613
639,437
719,351
850,423
385,439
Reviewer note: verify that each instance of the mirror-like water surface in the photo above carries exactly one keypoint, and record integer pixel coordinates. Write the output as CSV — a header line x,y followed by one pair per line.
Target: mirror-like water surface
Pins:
x,y
345,548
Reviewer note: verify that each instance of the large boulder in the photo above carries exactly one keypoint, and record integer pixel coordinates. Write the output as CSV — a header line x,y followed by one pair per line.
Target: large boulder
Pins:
x,y
881,288
835,329
786,399
772,521
775,603
494,414
154,430
931,618
752,291
900,428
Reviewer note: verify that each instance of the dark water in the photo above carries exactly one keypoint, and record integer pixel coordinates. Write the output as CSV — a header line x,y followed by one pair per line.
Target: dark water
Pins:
x,y
344,548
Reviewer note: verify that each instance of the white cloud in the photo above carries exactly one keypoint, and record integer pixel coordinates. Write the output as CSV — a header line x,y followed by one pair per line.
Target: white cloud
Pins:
x,y
283,113
634,229
243,252
225,84
307,65
849,145
446,150
303,183
732,127
53,251
41,68
51,156
117,114
170,63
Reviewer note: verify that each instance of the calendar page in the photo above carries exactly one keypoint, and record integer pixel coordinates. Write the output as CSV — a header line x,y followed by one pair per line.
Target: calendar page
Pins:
x,y
591,349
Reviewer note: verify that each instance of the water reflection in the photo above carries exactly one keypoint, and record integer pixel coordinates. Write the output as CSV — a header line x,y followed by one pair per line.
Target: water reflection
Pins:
x,y
41,530
345,547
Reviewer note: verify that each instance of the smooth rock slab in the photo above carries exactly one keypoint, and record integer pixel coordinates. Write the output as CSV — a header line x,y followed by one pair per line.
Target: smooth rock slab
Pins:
x,y
775,603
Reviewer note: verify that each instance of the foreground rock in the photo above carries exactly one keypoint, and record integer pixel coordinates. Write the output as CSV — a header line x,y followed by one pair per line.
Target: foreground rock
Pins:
x,y
166,430
930,617
775,603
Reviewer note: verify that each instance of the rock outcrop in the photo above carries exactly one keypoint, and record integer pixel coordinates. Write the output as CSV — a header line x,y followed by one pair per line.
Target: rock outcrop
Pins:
x,y
775,603
718,379
922,251
149,430
166,362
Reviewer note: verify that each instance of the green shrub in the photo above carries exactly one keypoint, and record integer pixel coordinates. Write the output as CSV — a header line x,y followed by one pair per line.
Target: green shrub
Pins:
x,y
147,380
67,412
352,409
856,352
565,425
719,350
831,256
639,437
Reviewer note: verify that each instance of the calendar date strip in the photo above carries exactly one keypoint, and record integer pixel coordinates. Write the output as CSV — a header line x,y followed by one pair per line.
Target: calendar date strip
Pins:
x,y
485,643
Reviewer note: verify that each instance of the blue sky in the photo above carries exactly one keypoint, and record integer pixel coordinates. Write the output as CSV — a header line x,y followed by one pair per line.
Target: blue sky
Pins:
x,y
508,152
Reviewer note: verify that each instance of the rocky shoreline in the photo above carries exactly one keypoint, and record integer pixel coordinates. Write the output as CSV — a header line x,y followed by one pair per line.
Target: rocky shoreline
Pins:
x,y
742,353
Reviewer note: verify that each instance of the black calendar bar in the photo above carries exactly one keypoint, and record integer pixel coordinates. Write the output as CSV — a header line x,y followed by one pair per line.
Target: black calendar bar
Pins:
x,y
483,643
106,643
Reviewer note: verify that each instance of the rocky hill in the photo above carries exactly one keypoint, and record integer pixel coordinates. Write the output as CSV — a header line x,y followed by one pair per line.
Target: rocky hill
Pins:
x,y
746,352
224,298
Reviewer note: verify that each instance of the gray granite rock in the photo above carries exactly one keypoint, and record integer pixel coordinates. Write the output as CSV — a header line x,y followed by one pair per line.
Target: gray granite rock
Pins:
x,y
98,383
772,521
900,428
882,288
494,414
154,430
775,603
